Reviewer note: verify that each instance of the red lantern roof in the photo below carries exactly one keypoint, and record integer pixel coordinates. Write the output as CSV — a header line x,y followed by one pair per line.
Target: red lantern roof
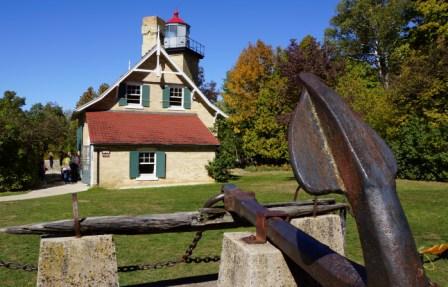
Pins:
x,y
176,19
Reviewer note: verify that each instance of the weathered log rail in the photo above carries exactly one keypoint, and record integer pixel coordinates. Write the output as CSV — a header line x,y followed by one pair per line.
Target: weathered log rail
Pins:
x,y
204,219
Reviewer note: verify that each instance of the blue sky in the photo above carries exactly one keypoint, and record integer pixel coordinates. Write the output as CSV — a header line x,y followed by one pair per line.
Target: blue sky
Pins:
x,y
52,50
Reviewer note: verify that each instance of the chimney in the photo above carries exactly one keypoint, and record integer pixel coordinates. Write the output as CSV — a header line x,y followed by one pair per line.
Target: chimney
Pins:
x,y
149,32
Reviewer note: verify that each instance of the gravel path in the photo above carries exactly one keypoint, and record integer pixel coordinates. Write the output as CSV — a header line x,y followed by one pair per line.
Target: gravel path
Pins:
x,y
57,187
46,192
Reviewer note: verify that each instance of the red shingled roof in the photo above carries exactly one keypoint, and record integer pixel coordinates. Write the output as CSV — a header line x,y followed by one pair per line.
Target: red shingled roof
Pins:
x,y
145,128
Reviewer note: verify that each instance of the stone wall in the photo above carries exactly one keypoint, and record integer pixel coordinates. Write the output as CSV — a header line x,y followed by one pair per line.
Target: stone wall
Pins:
x,y
182,166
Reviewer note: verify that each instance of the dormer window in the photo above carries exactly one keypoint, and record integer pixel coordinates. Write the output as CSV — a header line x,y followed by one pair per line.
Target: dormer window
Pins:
x,y
133,94
176,97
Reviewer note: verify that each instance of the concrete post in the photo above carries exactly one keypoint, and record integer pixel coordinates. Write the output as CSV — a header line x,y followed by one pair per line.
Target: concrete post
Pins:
x,y
251,265
262,265
69,261
325,228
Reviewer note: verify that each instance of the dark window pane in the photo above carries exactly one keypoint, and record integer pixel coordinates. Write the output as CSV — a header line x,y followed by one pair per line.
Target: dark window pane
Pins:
x,y
146,169
176,97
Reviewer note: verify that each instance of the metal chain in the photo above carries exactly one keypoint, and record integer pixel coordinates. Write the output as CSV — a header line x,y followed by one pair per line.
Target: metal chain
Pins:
x,y
150,266
18,266
189,251
187,257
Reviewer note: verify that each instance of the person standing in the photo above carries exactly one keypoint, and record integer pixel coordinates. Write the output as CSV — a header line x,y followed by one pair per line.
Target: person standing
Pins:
x,y
65,168
74,166
61,157
42,170
51,158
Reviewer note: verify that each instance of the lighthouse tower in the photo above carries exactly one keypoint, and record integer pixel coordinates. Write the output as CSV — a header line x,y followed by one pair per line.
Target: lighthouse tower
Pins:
x,y
185,51
174,35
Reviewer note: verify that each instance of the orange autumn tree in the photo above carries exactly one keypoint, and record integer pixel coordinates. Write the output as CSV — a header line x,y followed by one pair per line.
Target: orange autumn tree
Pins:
x,y
241,88
253,93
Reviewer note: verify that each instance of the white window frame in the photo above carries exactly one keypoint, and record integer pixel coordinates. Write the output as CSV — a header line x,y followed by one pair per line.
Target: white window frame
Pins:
x,y
181,107
147,176
134,105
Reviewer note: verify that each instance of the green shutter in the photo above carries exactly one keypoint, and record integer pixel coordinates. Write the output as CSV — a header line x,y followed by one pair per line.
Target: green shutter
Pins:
x,y
122,101
133,164
79,138
166,97
145,95
160,164
187,98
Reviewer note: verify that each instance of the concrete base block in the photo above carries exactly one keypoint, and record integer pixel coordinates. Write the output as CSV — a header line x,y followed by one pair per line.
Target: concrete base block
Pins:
x,y
69,261
248,265
325,228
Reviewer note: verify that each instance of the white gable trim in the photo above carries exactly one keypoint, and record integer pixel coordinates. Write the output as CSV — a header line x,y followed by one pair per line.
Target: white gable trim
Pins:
x,y
178,71
195,89
106,92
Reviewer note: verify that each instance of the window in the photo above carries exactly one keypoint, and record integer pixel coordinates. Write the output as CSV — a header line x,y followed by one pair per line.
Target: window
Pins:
x,y
147,163
175,97
171,31
133,94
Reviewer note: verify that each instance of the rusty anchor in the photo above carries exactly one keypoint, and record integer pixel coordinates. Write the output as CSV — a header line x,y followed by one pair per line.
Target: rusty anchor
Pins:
x,y
333,150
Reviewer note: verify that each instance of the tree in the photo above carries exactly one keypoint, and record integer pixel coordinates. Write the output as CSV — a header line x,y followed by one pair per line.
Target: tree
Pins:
x,y
86,97
49,126
90,94
308,56
241,88
255,97
228,155
370,31
430,24
210,91
421,150
360,87
18,158
266,141
420,138
102,88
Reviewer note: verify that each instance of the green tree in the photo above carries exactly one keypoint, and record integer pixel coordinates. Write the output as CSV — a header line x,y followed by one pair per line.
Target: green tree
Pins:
x,y
421,150
371,31
266,141
430,24
102,88
360,87
49,126
91,94
228,155
18,157
86,97
420,137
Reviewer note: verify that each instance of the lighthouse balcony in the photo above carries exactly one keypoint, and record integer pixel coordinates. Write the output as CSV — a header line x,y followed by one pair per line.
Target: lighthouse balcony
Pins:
x,y
183,42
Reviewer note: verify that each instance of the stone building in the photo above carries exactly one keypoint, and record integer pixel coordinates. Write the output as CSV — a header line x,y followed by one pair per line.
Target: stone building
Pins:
x,y
153,125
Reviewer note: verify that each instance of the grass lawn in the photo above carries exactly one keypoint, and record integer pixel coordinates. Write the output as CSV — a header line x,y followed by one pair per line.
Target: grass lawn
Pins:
x,y
7,193
425,205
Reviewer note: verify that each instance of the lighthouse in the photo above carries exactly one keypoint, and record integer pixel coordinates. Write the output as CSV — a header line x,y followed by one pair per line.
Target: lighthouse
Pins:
x,y
175,38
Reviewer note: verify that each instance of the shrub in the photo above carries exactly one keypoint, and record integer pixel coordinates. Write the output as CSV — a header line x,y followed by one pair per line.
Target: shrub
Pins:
x,y
421,150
